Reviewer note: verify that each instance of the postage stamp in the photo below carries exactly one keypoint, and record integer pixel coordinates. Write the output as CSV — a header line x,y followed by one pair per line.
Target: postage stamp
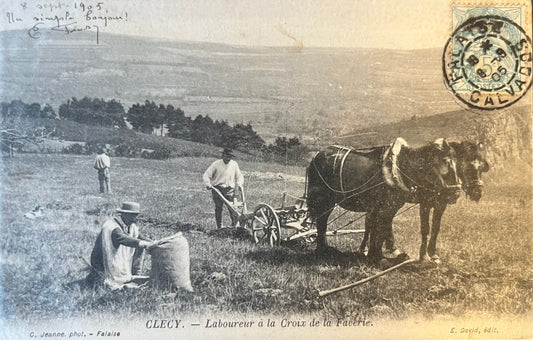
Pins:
x,y
487,60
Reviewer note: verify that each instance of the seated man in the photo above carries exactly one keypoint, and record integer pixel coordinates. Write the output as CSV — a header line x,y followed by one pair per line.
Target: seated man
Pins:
x,y
117,254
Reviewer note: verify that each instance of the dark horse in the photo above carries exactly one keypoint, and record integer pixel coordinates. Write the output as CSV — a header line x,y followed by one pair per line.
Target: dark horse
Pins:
x,y
470,166
357,181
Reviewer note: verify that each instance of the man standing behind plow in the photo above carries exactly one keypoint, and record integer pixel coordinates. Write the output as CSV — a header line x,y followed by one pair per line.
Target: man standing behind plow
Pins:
x,y
223,174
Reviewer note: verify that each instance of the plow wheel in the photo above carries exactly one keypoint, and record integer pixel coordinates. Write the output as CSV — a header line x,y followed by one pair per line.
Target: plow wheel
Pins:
x,y
266,226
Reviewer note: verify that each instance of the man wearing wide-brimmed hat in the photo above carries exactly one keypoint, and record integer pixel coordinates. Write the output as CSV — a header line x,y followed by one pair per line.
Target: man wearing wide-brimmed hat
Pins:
x,y
117,254
223,174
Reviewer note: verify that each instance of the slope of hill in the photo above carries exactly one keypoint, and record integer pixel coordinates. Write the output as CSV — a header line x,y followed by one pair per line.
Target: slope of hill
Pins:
x,y
318,92
506,133
74,132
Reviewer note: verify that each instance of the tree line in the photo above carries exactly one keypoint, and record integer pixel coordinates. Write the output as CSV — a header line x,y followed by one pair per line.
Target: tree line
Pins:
x,y
149,117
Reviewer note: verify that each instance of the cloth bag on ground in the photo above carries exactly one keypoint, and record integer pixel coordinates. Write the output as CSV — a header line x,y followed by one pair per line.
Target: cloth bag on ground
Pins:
x,y
170,263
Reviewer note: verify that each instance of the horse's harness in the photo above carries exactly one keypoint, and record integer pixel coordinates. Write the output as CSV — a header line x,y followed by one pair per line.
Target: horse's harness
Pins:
x,y
344,151
342,154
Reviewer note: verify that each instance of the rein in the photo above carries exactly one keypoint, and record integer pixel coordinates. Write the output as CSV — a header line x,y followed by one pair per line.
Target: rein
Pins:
x,y
344,192
348,197
354,192
418,185
435,191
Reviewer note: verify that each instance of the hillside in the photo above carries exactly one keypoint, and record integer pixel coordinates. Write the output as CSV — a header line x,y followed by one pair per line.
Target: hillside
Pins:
x,y
317,93
70,131
506,133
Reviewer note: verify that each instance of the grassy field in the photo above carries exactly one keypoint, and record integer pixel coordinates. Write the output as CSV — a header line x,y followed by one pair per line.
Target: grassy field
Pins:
x,y
486,248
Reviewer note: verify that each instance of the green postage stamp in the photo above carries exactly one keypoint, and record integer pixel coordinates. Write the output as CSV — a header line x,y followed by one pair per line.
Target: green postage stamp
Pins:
x,y
487,61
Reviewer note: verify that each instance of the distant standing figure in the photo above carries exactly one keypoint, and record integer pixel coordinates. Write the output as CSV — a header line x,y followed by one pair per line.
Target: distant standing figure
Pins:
x,y
102,163
224,174
117,254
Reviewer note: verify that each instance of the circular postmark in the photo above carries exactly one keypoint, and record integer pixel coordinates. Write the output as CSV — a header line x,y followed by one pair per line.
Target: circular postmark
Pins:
x,y
487,62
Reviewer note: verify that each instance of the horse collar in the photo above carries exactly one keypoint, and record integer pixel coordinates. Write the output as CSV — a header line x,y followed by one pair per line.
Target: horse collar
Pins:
x,y
390,169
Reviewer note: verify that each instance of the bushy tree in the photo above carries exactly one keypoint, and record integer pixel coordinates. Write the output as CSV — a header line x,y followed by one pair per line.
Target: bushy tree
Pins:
x,y
18,109
33,110
223,133
288,150
243,137
48,112
178,125
283,144
144,117
203,130
93,112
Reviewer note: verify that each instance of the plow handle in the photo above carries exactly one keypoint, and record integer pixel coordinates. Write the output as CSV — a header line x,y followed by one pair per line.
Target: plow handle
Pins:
x,y
228,203
244,206
225,200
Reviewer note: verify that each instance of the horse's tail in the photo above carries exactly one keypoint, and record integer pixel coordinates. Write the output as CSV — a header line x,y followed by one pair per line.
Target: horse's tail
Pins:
x,y
306,187
314,187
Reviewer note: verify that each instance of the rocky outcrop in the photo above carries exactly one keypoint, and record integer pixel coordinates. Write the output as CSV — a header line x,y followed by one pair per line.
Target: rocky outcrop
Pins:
x,y
506,135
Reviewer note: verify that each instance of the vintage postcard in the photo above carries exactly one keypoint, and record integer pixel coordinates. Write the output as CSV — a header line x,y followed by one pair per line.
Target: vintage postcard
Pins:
x,y
263,169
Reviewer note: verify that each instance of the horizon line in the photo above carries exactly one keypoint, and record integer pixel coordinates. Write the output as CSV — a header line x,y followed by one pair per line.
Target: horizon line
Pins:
x,y
247,46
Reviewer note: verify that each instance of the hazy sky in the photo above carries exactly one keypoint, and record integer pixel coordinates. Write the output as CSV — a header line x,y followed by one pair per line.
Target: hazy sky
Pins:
x,y
403,24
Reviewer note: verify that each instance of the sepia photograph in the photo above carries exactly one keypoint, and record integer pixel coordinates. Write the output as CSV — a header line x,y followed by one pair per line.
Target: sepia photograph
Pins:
x,y
265,169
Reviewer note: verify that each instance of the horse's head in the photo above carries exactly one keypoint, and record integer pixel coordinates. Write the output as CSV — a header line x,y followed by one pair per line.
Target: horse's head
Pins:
x,y
471,165
440,164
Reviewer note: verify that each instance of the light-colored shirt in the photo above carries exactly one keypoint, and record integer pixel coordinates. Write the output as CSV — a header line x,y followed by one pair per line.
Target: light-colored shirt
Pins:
x,y
117,261
102,161
225,175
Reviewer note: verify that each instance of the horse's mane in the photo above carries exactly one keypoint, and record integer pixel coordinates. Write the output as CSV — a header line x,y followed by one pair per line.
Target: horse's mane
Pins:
x,y
416,160
468,149
412,153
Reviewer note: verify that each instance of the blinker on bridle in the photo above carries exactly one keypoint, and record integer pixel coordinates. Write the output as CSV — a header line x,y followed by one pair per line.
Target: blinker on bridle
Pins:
x,y
451,163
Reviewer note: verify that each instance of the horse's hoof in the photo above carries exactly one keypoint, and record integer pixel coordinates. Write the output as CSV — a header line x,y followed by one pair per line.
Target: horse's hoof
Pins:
x,y
425,258
384,263
320,252
401,258
436,259
392,254
324,251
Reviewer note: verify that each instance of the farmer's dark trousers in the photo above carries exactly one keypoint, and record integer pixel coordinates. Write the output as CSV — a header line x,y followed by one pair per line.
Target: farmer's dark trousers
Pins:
x,y
229,194
105,180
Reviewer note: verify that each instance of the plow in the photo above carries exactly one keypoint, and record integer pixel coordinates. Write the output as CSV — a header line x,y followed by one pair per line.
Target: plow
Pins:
x,y
273,226
289,221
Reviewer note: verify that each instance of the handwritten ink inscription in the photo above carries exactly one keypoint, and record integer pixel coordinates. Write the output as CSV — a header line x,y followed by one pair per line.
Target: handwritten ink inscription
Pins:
x,y
63,17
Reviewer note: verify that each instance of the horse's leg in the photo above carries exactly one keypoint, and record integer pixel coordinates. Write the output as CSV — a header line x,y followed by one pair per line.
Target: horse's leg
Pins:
x,y
377,236
388,234
320,204
362,247
381,230
321,227
389,241
425,209
435,229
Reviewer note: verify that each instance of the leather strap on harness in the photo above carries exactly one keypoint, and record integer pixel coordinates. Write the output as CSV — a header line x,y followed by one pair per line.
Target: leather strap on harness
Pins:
x,y
352,191
345,151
